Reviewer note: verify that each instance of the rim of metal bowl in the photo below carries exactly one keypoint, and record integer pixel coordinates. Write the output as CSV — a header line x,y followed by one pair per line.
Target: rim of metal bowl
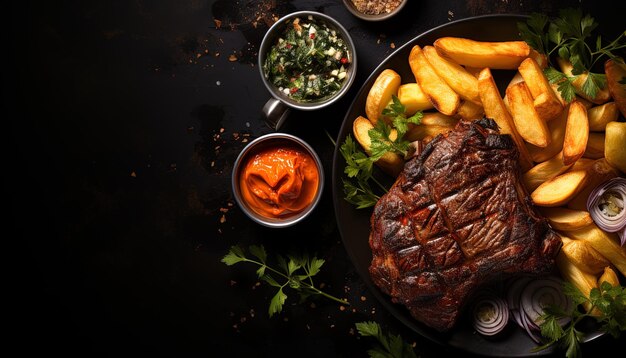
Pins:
x,y
350,6
268,40
271,139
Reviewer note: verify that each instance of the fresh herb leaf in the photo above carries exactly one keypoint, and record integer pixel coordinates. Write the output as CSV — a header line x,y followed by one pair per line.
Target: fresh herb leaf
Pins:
x,y
608,304
296,274
569,36
565,86
359,167
388,345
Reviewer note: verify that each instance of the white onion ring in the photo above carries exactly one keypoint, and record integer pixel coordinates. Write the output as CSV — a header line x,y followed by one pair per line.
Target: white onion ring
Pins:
x,y
607,223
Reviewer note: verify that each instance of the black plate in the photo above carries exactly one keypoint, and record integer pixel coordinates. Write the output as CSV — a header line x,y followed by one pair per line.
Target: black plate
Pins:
x,y
354,223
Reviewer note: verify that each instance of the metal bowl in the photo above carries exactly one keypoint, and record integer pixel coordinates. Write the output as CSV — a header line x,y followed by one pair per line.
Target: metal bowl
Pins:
x,y
277,108
384,16
260,143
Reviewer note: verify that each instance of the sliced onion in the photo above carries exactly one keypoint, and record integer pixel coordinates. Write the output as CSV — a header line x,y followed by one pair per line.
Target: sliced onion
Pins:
x,y
596,200
491,314
540,293
513,294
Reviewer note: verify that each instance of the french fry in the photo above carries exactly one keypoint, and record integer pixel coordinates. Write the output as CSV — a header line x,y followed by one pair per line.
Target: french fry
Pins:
x,y
413,98
609,275
469,110
390,163
561,218
379,95
540,58
605,243
543,171
495,108
576,133
600,115
443,98
461,81
546,102
571,273
528,123
556,127
595,146
560,189
602,96
599,172
616,72
505,55
432,124
585,257
614,152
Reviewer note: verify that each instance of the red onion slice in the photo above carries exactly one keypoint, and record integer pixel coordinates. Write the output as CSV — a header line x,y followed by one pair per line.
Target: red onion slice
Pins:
x,y
540,293
491,314
606,206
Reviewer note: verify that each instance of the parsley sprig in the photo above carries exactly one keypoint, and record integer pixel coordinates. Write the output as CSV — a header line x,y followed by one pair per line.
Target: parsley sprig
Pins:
x,y
297,274
359,165
610,303
570,37
388,345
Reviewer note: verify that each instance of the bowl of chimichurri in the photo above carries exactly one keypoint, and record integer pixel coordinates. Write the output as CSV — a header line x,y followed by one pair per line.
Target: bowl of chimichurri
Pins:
x,y
307,61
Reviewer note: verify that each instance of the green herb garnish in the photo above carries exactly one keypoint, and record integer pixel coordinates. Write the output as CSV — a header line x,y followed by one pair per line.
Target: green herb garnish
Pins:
x,y
297,274
608,301
569,37
359,165
388,345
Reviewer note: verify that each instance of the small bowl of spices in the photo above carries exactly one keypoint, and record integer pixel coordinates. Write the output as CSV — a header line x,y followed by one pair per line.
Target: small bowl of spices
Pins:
x,y
307,61
374,10
277,180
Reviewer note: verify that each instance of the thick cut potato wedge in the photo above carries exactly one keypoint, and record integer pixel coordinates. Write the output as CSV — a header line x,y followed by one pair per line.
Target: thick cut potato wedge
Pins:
x,y
595,146
599,172
543,171
379,95
528,123
469,110
457,77
505,55
390,163
614,147
436,89
432,124
566,219
494,107
576,133
585,257
556,127
413,98
540,58
616,72
605,243
600,115
609,275
602,96
546,102
560,189
582,280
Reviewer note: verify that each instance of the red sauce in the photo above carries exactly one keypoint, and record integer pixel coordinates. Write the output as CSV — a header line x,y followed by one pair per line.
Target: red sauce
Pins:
x,y
279,182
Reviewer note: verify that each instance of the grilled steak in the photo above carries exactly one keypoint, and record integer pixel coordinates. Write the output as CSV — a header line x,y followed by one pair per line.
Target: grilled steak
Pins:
x,y
456,218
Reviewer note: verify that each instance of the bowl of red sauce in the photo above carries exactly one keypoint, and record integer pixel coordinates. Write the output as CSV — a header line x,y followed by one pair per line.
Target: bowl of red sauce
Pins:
x,y
277,180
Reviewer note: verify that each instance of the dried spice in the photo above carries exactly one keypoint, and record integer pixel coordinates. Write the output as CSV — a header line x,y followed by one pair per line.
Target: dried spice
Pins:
x,y
376,7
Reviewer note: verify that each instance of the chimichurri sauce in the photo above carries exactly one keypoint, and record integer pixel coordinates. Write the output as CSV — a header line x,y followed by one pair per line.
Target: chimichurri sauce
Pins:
x,y
309,61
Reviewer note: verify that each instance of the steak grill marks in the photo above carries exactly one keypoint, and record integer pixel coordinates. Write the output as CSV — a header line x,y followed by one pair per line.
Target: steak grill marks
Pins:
x,y
456,218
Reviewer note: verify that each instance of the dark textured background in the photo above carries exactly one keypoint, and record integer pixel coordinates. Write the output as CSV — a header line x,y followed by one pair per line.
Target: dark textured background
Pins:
x,y
126,117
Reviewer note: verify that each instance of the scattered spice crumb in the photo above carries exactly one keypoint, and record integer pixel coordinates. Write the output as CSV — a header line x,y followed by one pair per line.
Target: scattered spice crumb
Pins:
x,y
351,331
223,219
313,305
218,83
233,283
392,45
286,319
376,7
218,23
133,174
342,308
363,298
232,58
